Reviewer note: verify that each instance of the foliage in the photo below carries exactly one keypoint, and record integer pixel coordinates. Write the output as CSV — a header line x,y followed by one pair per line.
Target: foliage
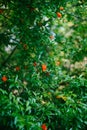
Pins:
x,y
41,42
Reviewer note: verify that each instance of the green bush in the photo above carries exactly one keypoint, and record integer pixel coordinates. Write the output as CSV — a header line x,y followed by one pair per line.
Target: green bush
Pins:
x,y
43,51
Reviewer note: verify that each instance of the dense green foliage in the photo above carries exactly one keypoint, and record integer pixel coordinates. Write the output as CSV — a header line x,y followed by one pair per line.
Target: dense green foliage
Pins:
x,y
43,67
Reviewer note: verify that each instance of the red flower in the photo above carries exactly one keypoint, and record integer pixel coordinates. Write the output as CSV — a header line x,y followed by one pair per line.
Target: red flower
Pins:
x,y
17,68
34,64
4,78
44,67
44,127
59,15
51,37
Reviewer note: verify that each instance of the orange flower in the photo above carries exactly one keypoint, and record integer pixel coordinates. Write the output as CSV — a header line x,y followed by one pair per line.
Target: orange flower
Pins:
x,y
4,78
59,15
44,127
61,8
17,68
51,37
44,67
34,64
58,63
